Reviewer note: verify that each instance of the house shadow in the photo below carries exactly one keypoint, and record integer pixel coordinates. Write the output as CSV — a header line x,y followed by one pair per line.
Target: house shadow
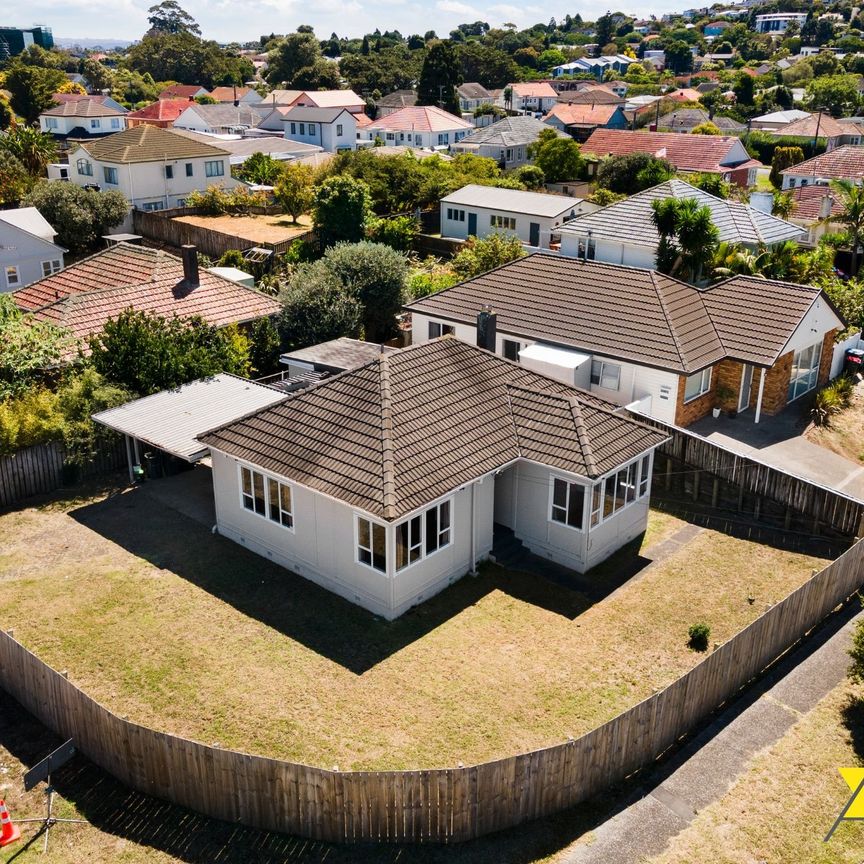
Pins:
x,y
853,722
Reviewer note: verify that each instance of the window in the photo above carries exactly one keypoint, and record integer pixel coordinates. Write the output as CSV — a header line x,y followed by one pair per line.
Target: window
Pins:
x,y
110,175
189,169
455,215
51,122
390,136
311,128
302,128
605,375
85,167
95,123
49,267
508,222
338,130
697,385
443,137
805,371
13,277
266,497
437,329
587,248
510,349
619,490
215,168
568,500
423,534
293,128
169,172
150,206
371,544
181,202
115,122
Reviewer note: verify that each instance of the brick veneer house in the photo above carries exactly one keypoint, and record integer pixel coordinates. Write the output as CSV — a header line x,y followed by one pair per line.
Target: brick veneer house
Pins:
x,y
639,338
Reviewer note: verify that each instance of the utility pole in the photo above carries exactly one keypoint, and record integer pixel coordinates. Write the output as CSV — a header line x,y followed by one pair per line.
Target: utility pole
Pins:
x,y
816,135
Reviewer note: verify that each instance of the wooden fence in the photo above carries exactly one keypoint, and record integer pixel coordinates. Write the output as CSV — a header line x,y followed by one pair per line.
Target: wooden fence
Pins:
x,y
441,805
42,468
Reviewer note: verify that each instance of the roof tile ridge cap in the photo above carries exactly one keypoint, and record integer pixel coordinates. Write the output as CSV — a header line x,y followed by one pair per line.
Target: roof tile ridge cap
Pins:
x,y
582,435
387,460
508,387
662,300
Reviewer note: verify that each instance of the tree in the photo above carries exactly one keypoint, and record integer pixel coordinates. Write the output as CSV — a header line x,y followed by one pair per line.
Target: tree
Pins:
x,y
783,158
341,209
295,189
713,184
706,128
145,353
851,198
263,348
484,64
439,77
293,55
375,275
32,148
836,94
261,168
32,88
688,237
7,115
169,17
99,77
743,89
558,158
604,29
79,216
316,308
530,176
14,180
633,172
679,58
479,256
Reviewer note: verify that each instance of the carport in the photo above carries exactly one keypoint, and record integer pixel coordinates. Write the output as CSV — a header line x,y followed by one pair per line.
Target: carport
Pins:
x,y
172,420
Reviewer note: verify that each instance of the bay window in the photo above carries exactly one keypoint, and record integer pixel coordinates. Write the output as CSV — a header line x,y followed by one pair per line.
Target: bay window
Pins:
x,y
568,500
619,490
371,544
423,534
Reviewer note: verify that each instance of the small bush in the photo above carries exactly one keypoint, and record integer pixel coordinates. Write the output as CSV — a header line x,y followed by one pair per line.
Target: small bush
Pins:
x,y
423,284
397,233
856,652
301,252
832,399
232,258
698,634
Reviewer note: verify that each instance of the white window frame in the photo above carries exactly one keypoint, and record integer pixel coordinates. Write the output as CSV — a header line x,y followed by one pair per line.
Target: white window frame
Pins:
x,y
110,175
506,222
51,122
358,548
284,518
85,167
443,329
214,168
569,483
338,130
311,128
704,384
13,276
95,123
115,122
604,368
418,537
808,376
636,484
49,268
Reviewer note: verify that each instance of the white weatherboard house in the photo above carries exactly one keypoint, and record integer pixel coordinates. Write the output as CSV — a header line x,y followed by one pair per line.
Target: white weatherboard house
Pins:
x,y
477,211
384,488
27,248
331,129
154,168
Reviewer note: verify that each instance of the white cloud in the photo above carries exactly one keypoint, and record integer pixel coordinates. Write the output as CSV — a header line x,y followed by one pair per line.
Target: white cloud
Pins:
x,y
456,7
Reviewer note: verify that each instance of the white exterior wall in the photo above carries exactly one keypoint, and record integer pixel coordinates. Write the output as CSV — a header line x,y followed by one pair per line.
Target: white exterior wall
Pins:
x,y
459,229
26,253
322,547
611,252
94,125
813,326
325,133
415,139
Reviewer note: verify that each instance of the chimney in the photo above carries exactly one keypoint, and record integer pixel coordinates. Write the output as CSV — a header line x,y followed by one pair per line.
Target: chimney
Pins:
x,y
487,328
190,266
825,206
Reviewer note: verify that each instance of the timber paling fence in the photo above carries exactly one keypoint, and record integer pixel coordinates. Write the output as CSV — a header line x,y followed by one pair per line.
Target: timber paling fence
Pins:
x,y
439,805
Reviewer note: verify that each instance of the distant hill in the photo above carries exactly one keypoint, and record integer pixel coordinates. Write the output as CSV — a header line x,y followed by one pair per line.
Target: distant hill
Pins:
x,y
70,42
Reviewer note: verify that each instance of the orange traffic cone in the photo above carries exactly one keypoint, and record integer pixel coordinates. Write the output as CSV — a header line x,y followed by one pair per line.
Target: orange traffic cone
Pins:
x,y
9,832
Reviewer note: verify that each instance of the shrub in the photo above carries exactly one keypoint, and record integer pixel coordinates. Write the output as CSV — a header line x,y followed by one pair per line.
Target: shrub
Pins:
x,y
698,634
397,233
531,176
300,252
479,256
232,258
422,284
832,399
856,652
217,201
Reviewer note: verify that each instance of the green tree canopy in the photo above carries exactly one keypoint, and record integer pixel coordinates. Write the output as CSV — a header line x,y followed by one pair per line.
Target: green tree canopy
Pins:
x,y
341,209
558,158
296,61
633,172
481,255
836,94
261,168
295,189
688,237
32,148
32,88
851,197
439,77
169,17
15,182
783,158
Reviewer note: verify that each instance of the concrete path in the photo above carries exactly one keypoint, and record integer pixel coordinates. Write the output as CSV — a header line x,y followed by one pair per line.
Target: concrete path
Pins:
x,y
668,799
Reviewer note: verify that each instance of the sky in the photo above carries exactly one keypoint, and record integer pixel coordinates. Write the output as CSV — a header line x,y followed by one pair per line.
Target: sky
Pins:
x,y
245,20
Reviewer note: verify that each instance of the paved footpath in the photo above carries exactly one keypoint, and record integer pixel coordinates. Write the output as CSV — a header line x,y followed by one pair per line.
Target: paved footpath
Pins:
x,y
668,799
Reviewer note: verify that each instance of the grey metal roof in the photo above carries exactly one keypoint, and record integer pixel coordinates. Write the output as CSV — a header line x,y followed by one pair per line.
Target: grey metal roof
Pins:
x,y
173,419
311,114
630,220
511,200
509,132
342,353
226,114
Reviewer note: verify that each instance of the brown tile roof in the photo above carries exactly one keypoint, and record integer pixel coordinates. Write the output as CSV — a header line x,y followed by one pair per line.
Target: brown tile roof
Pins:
x,y
581,115
807,127
846,162
808,202
163,109
181,91
626,313
707,153
85,295
227,94
533,90
83,108
148,144
421,118
592,96
411,426
756,317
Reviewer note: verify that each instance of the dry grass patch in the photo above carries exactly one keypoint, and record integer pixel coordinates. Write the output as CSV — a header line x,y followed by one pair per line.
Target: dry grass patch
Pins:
x,y
258,229
192,634
781,808
843,436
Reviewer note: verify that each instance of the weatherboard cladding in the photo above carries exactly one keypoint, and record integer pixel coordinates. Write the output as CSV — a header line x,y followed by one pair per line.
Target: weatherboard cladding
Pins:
x,y
411,426
511,200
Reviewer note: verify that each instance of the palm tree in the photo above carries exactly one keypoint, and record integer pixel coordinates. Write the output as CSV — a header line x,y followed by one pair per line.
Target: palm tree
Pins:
x,y
733,259
851,197
784,205
688,237
32,148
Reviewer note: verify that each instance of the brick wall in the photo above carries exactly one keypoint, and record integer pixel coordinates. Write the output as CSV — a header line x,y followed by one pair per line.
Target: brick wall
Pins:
x,y
827,356
776,385
696,409
728,374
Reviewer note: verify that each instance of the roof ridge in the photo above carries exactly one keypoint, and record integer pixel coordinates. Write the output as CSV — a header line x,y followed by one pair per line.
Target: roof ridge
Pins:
x,y
387,460
582,435
662,301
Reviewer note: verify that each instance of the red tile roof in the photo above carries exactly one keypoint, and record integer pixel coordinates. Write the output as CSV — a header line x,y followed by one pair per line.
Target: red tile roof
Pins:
x,y
179,91
85,295
581,115
808,202
226,94
709,153
846,162
534,90
420,118
807,127
167,110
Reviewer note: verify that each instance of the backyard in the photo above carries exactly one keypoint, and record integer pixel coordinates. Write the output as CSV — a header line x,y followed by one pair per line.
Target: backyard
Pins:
x,y
187,632
843,435
257,228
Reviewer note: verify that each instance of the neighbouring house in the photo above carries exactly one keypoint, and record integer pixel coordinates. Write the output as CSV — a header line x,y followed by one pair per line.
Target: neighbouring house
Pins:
x,y
395,101
84,296
579,121
282,97
243,95
241,148
331,129
183,91
162,113
776,23
530,97
597,66
715,28
60,98
27,248
82,118
816,210
710,154
534,217
687,119
330,358
472,96
154,168
624,233
347,99
842,163
506,141
220,119
304,482
816,126
595,95
642,339
776,120
423,126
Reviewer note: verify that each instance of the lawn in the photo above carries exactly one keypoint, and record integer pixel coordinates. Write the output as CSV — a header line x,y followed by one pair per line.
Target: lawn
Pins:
x,y
192,634
781,808
843,436
258,229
